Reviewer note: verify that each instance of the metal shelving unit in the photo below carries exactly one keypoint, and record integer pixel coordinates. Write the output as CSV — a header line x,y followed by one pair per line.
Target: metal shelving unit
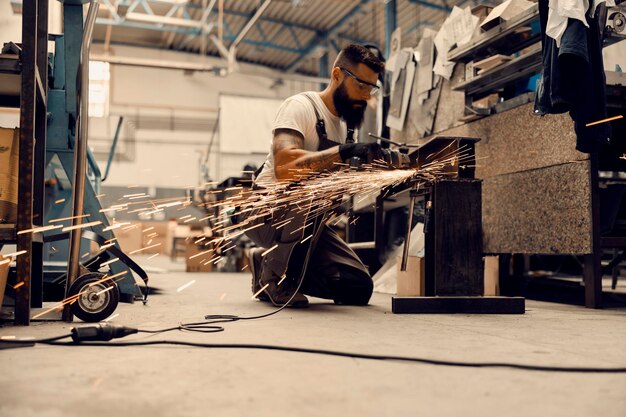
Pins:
x,y
32,67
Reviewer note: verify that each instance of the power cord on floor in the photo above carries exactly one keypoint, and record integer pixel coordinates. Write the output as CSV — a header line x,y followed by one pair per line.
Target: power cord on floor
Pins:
x,y
319,222
95,335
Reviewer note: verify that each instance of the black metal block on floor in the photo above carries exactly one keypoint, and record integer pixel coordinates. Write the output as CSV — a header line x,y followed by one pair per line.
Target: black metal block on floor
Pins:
x,y
465,305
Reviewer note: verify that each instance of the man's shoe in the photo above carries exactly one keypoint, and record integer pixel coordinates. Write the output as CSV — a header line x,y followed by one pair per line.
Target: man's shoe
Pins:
x,y
282,294
256,262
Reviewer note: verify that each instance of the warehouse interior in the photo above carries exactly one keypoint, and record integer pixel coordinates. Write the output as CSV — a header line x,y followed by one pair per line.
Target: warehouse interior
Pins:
x,y
461,251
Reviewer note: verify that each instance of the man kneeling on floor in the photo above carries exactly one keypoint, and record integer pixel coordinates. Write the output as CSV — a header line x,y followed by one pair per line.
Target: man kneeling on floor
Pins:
x,y
314,131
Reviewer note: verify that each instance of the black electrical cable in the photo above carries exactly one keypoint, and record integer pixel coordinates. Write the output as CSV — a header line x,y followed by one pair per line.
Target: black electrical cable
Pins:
x,y
44,341
317,227
426,361
209,327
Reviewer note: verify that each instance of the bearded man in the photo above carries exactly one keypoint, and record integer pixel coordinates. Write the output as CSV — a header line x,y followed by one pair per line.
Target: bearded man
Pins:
x,y
314,132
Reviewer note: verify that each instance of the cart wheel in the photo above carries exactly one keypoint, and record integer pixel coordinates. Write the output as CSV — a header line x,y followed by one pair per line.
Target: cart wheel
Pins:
x,y
97,299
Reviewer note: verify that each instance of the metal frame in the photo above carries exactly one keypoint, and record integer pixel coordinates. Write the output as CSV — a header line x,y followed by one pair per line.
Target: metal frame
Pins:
x,y
187,25
140,15
32,157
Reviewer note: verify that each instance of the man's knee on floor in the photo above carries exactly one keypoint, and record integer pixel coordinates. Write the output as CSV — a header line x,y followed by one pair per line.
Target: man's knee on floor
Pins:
x,y
352,288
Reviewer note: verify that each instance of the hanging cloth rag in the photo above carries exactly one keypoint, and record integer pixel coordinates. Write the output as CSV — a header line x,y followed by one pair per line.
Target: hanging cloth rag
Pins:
x,y
573,77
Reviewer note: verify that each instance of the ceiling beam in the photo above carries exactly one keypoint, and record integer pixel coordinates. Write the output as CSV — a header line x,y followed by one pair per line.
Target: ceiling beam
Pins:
x,y
431,5
322,36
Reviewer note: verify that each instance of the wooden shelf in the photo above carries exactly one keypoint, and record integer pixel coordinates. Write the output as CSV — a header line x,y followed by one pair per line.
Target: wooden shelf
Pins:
x,y
499,76
8,233
10,81
484,43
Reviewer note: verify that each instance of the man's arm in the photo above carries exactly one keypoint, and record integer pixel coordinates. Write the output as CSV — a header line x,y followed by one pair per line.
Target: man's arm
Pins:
x,y
291,161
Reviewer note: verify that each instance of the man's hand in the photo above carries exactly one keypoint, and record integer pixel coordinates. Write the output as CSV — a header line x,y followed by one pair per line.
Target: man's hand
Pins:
x,y
366,151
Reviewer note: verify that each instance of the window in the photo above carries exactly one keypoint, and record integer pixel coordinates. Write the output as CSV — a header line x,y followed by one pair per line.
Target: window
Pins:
x,y
99,77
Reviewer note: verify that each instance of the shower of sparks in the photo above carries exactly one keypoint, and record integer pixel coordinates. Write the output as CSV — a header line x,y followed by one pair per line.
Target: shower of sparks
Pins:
x,y
153,256
189,284
292,206
143,249
282,279
244,267
269,250
59,201
259,291
109,262
19,284
39,229
14,254
105,290
609,119
67,218
81,226
115,226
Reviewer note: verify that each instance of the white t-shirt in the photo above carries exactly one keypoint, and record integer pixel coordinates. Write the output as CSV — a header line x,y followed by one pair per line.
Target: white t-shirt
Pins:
x,y
297,113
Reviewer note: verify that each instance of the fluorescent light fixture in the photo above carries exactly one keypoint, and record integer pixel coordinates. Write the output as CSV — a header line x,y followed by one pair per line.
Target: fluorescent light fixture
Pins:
x,y
163,20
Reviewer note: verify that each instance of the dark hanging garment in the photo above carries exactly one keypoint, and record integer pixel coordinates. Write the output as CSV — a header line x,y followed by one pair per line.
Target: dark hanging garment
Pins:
x,y
573,80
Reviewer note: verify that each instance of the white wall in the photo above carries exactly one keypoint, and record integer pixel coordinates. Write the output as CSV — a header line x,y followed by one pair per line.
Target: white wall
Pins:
x,y
168,157
11,24
615,55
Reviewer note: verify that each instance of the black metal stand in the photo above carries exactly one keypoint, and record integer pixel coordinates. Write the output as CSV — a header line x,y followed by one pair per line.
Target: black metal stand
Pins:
x,y
454,275
32,154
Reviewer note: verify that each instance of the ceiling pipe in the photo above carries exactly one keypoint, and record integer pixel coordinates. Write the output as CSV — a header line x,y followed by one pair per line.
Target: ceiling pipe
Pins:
x,y
199,67
232,51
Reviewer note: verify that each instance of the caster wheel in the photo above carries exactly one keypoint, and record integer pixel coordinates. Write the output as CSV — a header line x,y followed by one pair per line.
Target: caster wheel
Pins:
x,y
97,299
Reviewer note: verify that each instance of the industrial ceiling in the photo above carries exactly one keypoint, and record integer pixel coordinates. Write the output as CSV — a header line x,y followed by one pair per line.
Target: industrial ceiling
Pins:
x,y
286,35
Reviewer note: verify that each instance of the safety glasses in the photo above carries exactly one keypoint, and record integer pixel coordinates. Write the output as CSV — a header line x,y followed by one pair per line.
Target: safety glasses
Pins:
x,y
362,85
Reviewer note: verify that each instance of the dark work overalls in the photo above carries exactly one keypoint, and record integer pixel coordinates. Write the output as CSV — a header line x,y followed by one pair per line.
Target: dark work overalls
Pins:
x,y
334,271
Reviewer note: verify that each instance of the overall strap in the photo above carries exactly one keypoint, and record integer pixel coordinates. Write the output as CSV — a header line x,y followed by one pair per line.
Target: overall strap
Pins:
x,y
320,127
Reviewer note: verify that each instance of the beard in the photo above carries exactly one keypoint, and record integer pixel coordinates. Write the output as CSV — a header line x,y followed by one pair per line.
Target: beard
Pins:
x,y
351,111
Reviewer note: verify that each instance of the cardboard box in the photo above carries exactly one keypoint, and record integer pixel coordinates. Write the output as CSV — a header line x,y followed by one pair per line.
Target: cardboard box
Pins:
x,y
9,163
411,282
129,237
4,274
486,102
196,260
506,11
492,276
157,237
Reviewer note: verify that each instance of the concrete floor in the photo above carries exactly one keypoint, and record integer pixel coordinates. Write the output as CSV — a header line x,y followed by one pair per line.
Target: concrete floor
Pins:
x,y
51,381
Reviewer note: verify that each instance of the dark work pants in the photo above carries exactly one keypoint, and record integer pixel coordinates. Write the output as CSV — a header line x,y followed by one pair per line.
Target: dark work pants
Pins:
x,y
334,271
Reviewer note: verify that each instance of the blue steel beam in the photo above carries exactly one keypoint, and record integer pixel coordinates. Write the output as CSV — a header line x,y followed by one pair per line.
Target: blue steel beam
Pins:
x,y
116,20
391,11
294,36
259,27
229,36
185,6
322,36
431,5
417,25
